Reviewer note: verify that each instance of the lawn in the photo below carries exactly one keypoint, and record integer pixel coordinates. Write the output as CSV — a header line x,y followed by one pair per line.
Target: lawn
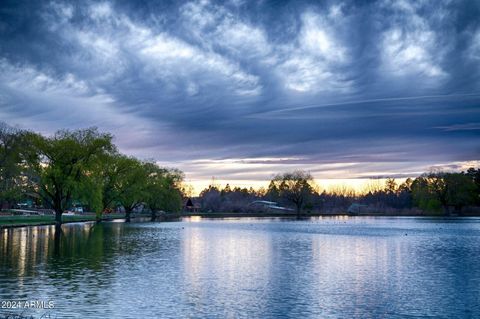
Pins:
x,y
49,219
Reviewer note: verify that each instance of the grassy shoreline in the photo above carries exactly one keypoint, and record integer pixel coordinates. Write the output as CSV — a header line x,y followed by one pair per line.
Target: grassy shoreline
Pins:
x,y
39,220
26,221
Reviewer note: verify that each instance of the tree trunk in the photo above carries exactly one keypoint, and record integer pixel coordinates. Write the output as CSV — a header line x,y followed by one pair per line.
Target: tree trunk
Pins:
x,y
154,215
446,210
299,210
98,217
127,214
5,205
458,209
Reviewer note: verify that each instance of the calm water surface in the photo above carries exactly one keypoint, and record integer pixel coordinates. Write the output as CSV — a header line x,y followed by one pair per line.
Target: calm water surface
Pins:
x,y
247,268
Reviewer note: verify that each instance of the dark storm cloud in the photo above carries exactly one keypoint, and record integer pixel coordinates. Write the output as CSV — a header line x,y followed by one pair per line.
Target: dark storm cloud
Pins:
x,y
393,86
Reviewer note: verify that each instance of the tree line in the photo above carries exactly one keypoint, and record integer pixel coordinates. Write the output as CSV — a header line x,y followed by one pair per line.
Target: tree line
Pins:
x,y
436,192
85,166
81,166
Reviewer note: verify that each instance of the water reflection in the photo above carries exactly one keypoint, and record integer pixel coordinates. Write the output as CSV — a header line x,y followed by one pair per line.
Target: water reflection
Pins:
x,y
219,265
43,264
248,268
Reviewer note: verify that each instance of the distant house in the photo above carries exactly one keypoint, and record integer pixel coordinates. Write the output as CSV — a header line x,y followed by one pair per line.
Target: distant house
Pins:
x,y
191,207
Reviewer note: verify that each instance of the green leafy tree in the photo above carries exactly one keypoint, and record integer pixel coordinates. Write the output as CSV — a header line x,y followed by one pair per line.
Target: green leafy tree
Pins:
x,y
131,185
474,175
114,173
163,189
423,195
438,187
11,160
89,193
460,190
439,190
64,165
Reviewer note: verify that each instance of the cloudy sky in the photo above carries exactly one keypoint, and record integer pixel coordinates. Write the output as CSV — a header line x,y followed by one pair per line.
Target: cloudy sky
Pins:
x,y
241,90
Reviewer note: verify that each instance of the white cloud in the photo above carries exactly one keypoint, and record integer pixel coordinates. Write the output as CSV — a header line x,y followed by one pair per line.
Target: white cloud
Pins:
x,y
241,38
410,46
312,64
234,80
28,78
111,42
170,58
317,39
410,52
474,48
101,10
45,102
215,27
61,12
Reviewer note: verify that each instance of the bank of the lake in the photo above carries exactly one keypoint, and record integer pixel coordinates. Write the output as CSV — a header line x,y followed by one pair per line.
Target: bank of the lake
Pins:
x,y
14,221
43,220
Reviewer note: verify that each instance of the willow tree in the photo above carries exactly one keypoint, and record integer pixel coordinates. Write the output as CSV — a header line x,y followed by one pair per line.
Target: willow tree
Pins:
x,y
11,159
296,187
130,185
112,175
163,189
65,166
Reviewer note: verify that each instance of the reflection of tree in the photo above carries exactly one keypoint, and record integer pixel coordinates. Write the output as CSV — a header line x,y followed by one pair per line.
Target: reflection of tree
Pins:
x,y
83,259
88,245
80,248
56,239
79,262
22,249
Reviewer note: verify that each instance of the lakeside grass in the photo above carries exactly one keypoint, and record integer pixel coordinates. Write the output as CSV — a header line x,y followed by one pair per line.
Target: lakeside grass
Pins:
x,y
36,220
33,220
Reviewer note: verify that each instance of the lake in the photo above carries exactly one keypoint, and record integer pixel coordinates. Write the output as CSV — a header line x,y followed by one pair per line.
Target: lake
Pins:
x,y
330,267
